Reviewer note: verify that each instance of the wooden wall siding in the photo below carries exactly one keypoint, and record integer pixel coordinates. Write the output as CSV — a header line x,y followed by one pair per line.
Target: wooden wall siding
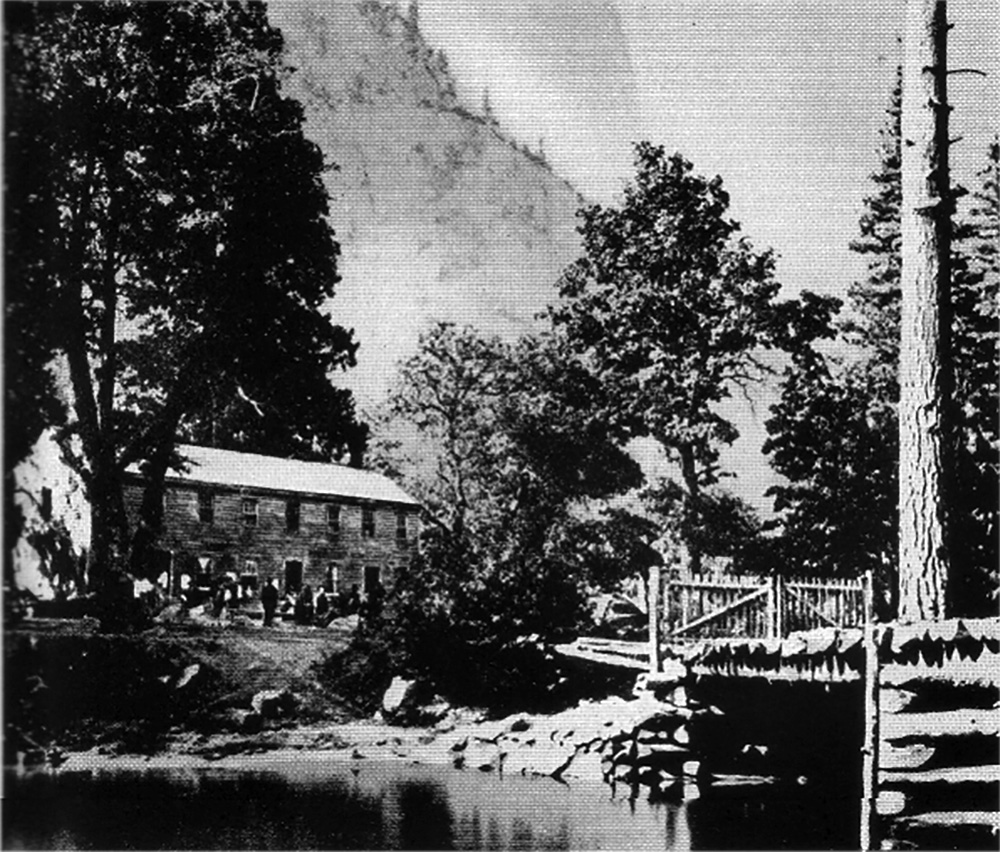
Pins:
x,y
270,544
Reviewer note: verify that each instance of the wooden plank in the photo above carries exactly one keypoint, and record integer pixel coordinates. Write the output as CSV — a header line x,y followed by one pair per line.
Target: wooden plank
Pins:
x,y
985,671
698,622
986,774
608,658
890,802
801,599
911,756
893,700
989,819
944,723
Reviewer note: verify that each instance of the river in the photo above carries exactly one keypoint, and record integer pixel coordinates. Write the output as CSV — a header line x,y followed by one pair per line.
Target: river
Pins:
x,y
303,802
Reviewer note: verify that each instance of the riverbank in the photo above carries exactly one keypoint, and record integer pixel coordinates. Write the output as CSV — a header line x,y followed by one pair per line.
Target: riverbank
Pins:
x,y
576,743
206,692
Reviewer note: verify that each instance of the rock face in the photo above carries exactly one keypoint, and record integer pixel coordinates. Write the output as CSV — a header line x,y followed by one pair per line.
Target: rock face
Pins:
x,y
439,213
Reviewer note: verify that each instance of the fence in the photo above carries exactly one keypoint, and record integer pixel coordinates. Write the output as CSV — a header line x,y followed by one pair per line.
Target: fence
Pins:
x,y
700,607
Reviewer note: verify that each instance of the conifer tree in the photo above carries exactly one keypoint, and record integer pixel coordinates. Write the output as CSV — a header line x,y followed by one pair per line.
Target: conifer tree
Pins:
x,y
833,434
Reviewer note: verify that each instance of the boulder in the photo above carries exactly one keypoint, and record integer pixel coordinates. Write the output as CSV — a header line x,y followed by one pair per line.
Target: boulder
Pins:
x,y
273,703
250,722
483,756
433,713
399,697
189,674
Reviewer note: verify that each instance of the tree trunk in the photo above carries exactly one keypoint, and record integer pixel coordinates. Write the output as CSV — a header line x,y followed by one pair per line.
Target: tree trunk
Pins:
x,y
924,356
108,530
692,507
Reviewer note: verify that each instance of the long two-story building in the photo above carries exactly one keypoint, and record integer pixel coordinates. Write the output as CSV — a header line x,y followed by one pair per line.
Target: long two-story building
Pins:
x,y
261,518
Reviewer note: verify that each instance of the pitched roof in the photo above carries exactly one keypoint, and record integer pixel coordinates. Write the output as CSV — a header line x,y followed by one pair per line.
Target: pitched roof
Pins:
x,y
209,466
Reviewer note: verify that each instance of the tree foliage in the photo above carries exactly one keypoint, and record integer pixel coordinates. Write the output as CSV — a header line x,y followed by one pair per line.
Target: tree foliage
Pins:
x,y
671,311
834,432
170,217
504,445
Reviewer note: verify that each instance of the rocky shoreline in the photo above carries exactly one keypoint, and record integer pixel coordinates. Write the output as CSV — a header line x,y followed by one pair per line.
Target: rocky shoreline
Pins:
x,y
619,740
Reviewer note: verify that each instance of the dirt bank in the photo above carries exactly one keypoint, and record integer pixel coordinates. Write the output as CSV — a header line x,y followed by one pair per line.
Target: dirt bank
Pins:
x,y
68,687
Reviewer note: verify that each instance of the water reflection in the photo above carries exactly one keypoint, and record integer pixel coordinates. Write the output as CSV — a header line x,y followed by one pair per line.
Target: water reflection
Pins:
x,y
314,804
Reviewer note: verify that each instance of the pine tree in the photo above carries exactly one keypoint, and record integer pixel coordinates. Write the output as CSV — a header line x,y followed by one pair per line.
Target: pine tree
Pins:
x,y
833,434
875,301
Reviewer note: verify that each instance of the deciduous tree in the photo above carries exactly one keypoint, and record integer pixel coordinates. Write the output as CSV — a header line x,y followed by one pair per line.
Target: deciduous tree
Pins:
x,y
171,215
504,444
670,310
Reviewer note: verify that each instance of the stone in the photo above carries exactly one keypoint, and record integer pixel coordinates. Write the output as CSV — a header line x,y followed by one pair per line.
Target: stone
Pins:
x,y
250,722
433,713
398,696
189,674
543,758
483,756
272,703
586,764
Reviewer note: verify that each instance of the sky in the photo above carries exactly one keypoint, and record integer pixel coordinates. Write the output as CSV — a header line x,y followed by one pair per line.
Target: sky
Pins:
x,y
785,100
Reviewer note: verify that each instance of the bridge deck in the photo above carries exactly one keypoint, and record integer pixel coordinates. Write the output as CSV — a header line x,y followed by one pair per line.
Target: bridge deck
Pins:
x,y
827,654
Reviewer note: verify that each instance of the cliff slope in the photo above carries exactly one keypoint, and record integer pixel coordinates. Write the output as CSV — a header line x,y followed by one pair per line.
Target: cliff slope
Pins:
x,y
439,213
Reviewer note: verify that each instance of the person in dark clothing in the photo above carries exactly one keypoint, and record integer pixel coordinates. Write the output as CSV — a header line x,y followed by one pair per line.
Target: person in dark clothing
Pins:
x,y
219,600
354,601
373,605
304,606
322,608
269,598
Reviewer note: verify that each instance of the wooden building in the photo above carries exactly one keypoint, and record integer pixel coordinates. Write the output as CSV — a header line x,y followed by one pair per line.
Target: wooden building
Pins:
x,y
260,518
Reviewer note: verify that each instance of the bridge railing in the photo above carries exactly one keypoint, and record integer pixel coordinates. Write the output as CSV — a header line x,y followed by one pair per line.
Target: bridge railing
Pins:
x,y
709,606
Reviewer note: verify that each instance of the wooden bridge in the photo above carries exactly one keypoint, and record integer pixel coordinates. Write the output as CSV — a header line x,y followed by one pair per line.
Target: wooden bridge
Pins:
x,y
721,621
932,715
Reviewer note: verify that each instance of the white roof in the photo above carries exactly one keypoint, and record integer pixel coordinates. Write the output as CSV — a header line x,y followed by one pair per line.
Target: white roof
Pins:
x,y
246,470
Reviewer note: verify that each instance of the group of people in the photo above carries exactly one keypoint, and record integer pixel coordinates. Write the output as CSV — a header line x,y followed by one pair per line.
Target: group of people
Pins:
x,y
321,607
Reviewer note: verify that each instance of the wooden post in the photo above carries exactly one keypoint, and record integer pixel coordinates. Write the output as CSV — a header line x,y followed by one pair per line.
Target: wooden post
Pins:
x,y
653,601
869,751
769,619
779,606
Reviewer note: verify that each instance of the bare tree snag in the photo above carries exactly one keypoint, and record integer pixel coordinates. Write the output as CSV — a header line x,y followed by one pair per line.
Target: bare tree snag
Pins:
x,y
924,344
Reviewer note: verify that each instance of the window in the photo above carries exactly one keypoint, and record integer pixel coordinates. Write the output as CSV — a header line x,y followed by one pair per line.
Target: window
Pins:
x,y
401,525
293,576
45,510
368,521
249,512
293,515
333,579
333,518
206,507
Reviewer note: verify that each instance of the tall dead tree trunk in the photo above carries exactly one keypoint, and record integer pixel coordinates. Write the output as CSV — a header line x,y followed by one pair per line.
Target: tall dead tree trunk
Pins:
x,y
924,345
